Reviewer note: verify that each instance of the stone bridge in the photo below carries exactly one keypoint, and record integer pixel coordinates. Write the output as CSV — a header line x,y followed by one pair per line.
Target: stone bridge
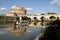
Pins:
x,y
47,17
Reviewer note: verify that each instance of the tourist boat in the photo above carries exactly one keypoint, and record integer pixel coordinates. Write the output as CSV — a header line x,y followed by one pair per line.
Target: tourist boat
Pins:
x,y
22,23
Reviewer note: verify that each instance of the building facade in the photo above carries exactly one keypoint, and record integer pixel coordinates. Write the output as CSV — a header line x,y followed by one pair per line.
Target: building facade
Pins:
x,y
16,10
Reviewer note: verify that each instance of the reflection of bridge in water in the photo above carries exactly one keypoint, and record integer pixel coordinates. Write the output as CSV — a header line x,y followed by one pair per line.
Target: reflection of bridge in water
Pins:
x,y
22,33
22,28
38,23
18,31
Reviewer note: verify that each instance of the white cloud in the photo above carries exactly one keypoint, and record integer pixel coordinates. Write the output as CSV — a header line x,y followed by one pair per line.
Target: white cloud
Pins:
x,y
3,8
25,8
55,1
29,8
13,7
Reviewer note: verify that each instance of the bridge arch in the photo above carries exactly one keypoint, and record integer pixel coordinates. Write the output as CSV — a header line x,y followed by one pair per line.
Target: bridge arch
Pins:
x,y
52,18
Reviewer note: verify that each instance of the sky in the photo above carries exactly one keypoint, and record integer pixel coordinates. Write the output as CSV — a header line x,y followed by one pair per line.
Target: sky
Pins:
x,y
32,6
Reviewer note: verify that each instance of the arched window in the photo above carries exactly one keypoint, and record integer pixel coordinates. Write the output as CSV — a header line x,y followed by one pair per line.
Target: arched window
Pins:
x,y
24,18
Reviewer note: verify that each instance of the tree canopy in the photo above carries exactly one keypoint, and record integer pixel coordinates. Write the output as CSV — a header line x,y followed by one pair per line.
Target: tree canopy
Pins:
x,y
51,13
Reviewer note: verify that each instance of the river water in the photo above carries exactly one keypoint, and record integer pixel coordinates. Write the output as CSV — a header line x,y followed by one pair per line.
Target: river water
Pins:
x,y
29,32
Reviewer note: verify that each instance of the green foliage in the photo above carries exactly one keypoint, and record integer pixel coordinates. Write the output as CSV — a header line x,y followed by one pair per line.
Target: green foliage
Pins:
x,y
51,13
17,18
6,22
57,18
24,18
42,14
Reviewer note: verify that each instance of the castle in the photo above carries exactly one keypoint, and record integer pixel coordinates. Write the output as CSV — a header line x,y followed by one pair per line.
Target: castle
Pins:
x,y
21,11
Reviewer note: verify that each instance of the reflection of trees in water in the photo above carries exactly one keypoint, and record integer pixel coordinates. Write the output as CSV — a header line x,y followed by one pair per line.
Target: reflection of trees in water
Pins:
x,y
17,31
29,23
16,27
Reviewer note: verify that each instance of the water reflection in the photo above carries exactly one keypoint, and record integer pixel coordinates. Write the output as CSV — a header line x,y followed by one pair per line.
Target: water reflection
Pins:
x,y
42,24
21,32
17,31
36,24
20,29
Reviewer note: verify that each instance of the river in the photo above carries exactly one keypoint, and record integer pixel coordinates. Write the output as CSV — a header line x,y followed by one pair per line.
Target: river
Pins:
x,y
22,33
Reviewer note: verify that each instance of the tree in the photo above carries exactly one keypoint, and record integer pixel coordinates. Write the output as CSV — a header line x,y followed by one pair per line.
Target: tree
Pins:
x,y
24,18
17,18
42,14
51,13
15,14
57,18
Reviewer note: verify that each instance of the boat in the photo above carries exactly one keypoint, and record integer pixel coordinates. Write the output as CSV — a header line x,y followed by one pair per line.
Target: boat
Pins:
x,y
25,23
